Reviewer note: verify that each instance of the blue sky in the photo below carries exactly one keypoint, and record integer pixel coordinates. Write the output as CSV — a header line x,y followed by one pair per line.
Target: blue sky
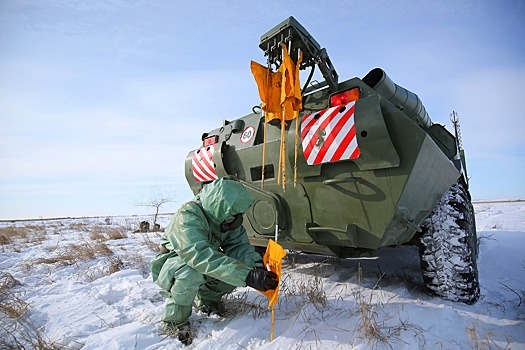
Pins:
x,y
100,101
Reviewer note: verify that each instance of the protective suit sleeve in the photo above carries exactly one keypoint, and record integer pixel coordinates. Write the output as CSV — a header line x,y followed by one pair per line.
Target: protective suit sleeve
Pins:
x,y
237,245
190,236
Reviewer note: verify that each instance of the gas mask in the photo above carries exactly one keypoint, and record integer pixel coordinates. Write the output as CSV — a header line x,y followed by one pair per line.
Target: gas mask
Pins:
x,y
231,223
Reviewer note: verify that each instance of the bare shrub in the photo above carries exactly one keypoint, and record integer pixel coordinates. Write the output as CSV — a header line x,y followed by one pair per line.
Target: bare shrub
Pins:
x,y
151,244
156,200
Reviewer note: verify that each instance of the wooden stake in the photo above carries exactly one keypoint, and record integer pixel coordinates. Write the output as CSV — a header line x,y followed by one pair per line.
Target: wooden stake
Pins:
x,y
272,334
296,145
264,151
283,151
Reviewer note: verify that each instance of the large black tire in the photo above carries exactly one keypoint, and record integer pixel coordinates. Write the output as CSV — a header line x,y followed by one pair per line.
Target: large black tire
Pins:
x,y
449,248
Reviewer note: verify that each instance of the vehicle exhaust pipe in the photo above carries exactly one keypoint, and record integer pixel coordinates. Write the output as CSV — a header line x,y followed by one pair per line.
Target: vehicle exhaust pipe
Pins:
x,y
405,100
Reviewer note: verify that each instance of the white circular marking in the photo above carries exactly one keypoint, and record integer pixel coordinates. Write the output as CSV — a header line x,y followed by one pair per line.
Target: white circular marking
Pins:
x,y
248,134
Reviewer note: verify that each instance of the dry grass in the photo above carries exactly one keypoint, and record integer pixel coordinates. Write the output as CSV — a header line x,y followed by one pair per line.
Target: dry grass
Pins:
x,y
115,264
294,294
372,326
368,326
370,310
100,233
310,289
10,305
26,234
97,234
17,331
302,292
5,238
11,233
72,254
111,265
117,233
22,333
138,261
87,251
153,245
238,304
487,341
78,226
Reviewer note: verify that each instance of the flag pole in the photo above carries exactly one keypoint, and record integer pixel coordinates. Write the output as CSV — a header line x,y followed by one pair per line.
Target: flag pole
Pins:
x,y
272,332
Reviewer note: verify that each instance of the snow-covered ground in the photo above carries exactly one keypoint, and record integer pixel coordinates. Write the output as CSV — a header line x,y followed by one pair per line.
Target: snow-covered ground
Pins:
x,y
85,283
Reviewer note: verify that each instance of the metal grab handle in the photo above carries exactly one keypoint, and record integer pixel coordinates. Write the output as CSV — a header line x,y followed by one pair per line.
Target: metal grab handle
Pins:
x,y
322,229
330,182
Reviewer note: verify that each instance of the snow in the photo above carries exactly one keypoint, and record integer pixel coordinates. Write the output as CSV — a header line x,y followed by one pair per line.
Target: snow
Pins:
x,y
110,302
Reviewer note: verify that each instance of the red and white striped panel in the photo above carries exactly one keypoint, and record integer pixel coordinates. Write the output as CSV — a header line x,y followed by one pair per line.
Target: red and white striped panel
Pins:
x,y
329,135
202,164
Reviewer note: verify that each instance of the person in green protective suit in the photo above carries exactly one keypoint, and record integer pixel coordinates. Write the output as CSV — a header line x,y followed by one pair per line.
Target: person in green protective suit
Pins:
x,y
205,254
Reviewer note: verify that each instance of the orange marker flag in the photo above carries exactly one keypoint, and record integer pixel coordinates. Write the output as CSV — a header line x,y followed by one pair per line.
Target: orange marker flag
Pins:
x,y
273,259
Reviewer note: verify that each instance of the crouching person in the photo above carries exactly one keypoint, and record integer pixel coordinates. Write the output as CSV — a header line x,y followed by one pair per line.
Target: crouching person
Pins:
x,y
206,254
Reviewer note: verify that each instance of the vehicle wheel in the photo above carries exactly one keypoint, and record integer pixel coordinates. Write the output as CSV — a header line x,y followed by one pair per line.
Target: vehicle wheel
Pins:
x,y
449,248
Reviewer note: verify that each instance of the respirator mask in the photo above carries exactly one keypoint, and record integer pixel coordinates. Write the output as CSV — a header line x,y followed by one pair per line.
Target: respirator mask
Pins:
x,y
231,223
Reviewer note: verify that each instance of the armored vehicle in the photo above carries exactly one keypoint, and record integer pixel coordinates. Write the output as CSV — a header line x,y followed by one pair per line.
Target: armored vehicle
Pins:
x,y
365,168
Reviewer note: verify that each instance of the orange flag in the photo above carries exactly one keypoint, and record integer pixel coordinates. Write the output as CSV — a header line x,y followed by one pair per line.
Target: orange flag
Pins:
x,y
280,93
273,260
291,99
269,86
279,90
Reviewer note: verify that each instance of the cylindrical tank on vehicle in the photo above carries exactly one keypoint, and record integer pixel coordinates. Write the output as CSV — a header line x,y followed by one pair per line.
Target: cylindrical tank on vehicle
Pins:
x,y
403,99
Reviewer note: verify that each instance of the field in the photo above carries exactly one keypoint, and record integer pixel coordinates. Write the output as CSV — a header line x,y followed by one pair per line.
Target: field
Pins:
x,y
84,283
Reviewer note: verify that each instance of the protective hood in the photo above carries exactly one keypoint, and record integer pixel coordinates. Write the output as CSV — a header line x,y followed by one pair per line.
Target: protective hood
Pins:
x,y
224,198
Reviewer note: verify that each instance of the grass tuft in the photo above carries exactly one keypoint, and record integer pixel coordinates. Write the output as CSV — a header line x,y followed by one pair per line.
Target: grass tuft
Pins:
x,y
486,341
153,245
310,288
237,304
17,331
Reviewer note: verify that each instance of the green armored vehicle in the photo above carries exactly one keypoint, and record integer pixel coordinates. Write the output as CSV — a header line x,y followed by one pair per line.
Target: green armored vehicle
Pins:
x,y
370,170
